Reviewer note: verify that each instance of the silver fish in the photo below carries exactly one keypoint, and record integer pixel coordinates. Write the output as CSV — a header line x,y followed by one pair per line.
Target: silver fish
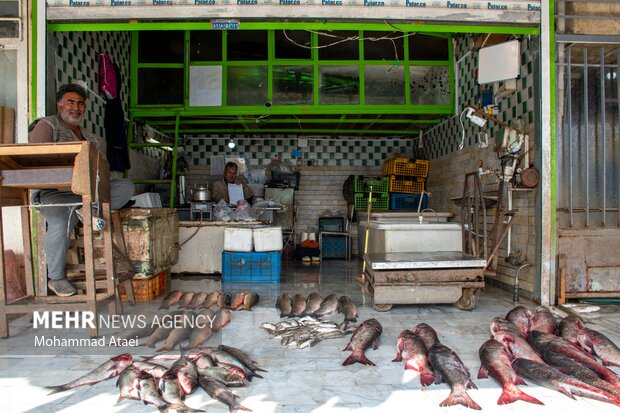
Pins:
x,y
449,368
599,344
543,320
225,300
427,334
328,305
365,335
412,350
111,368
241,355
149,393
155,370
128,384
176,336
173,394
520,316
218,390
570,327
313,303
198,336
198,300
173,297
187,374
224,375
221,318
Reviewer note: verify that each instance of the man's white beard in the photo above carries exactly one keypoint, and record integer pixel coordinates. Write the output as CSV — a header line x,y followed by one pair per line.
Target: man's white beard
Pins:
x,y
72,120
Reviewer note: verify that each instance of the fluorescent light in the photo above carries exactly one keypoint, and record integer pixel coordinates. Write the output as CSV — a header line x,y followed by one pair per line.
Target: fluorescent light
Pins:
x,y
231,143
152,140
476,119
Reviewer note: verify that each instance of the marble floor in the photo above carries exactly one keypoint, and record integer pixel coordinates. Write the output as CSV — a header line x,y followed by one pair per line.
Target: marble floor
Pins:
x,y
298,380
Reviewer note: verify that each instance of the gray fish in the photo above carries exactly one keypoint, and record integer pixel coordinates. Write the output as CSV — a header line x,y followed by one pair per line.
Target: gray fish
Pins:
x,y
224,375
298,305
520,316
198,300
173,297
313,303
543,320
241,355
155,370
552,378
501,324
365,335
128,384
221,318
218,390
223,358
212,299
250,300
516,346
570,327
573,368
111,368
225,300
199,335
599,344
237,300
187,374
284,304
412,350
328,305
204,361
148,391
176,336
427,334
545,341
497,363
138,333
186,299
347,308
172,393
449,368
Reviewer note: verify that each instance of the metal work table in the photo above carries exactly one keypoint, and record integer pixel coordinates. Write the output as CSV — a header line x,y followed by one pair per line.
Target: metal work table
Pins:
x,y
424,278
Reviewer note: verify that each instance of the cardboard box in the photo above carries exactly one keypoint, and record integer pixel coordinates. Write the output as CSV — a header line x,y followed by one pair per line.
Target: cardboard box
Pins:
x,y
7,125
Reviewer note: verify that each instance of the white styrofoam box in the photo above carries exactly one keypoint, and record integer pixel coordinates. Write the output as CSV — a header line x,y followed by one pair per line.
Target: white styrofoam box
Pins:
x,y
238,239
414,237
147,200
267,239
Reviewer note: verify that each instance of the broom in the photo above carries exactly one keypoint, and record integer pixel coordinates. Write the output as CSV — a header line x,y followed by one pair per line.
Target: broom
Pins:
x,y
362,278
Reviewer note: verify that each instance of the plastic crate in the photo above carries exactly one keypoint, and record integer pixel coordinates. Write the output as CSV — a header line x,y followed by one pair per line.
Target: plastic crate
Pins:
x,y
250,266
379,185
334,247
379,202
147,289
333,224
404,166
406,185
407,202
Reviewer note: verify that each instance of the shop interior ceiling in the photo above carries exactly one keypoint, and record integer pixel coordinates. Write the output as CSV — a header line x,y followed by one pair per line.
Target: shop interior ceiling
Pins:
x,y
280,108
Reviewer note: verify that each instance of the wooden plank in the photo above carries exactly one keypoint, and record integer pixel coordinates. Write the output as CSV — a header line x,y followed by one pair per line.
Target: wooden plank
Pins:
x,y
562,279
48,178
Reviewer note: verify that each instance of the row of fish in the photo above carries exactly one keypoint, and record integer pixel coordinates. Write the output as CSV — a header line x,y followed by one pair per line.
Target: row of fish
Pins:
x,y
306,332
315,306
187,325
192,300
523,345
213,369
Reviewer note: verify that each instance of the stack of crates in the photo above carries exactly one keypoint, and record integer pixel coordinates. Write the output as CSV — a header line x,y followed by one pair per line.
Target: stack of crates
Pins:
x,y
380,196
406,182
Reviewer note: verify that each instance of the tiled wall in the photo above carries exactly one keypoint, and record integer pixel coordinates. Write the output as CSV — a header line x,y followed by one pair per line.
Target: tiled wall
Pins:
x,y
344,152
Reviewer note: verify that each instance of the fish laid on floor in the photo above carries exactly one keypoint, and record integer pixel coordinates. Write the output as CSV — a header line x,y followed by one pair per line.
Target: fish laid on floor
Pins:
x,y
501,324
427,334
328,306
241,355
449,368
237,300
250,300
307,331
220,319
347,308
218,390
155,370
543,320
212,299
284,304
224,300
186,299
173,394
298,305
111,368
600,345
172,298
517,346
313,302
149,393
365,335
552,378
411,349
197,300
128,384
187,374
520,316
497,363
570,327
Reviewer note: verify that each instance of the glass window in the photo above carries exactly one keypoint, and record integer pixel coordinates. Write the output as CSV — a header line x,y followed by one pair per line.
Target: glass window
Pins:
x,y
293,85
423,47
430,85
288,44
247,85
340,85
161,47
335,46
9,8
160,86
244,45
9,29
384,46
206,45
384,85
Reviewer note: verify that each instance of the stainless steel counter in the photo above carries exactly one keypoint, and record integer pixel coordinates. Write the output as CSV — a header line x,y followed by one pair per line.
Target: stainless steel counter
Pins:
x,y
420,260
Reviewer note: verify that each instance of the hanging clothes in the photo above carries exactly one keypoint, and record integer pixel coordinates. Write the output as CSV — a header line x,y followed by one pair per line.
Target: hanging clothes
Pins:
x,y
114,118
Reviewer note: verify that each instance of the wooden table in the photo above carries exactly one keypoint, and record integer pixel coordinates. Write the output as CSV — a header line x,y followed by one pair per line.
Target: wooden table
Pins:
x,y
68,166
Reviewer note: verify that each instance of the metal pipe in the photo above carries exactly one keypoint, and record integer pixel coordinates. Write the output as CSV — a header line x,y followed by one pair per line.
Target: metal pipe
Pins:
x,y
570,137
586,108
618,123
509,235
515,287
603,150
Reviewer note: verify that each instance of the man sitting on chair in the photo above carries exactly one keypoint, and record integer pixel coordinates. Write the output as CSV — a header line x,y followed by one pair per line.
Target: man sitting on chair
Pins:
x,y
65,127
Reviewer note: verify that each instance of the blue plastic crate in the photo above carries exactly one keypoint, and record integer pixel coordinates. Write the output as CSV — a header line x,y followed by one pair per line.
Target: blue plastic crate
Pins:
x,y
334,246
251,266
407,202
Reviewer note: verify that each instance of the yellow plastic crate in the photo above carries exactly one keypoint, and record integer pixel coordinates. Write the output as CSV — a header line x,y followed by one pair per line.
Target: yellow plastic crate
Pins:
x,y
404,167
406,185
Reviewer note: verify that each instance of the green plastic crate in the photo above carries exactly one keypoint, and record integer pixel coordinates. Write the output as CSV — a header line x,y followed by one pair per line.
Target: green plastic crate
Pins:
x,y
379,202
363,184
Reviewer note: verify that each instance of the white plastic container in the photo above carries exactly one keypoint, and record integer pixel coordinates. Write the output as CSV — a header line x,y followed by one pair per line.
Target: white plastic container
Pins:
x,y
267,239
414,237
238,239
